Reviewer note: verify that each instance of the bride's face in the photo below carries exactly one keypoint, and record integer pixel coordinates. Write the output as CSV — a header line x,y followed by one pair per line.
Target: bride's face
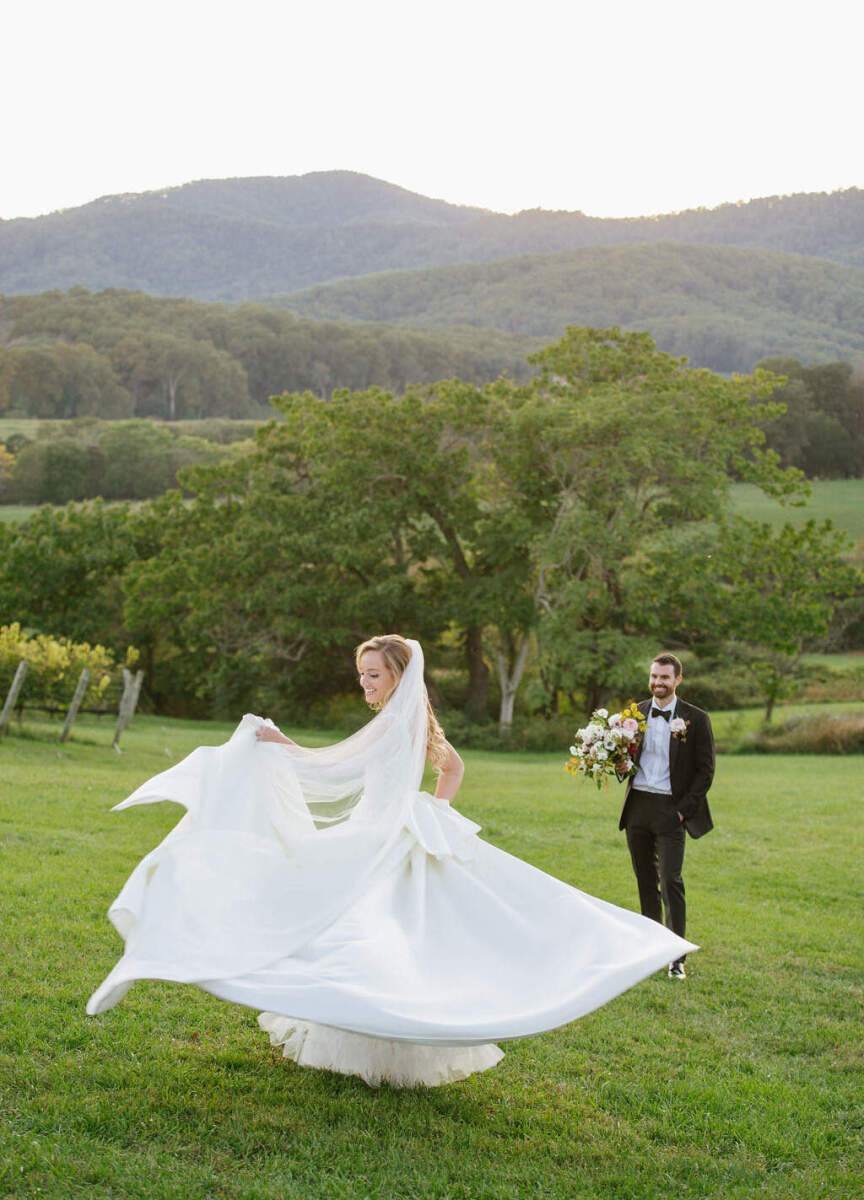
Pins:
x,y
376,680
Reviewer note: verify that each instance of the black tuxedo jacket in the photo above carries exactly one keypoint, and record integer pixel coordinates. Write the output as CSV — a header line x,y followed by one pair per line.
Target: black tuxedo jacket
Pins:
x,y
691,768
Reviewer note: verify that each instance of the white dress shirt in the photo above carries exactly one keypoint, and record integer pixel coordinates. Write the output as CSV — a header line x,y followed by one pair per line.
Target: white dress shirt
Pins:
x,y
652,775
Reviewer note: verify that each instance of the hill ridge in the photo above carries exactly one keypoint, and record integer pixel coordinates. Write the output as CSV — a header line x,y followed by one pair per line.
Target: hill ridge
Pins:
x,y
249,238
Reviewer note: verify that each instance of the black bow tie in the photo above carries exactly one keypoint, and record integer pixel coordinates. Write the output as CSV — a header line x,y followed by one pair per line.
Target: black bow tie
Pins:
x,y
664,713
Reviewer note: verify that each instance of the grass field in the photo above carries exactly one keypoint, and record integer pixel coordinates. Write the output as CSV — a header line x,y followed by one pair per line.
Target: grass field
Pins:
x,y
29,426
744,1082
734,723
841,500
15,514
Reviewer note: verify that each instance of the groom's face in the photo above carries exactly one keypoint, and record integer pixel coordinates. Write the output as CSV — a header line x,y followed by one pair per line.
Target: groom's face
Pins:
x,y
662,682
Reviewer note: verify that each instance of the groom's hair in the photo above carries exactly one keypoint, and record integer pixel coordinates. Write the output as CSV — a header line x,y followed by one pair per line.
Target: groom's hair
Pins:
x,y
669,660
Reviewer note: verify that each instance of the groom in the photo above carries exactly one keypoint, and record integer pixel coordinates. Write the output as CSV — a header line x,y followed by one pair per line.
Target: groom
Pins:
x,y
666,795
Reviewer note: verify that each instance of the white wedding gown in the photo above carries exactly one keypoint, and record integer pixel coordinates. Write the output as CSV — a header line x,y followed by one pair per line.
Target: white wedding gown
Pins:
x,y
380,935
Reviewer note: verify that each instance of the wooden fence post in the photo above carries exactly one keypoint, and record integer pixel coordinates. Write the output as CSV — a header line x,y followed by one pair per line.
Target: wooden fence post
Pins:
x,y
131,688
6,714
83,680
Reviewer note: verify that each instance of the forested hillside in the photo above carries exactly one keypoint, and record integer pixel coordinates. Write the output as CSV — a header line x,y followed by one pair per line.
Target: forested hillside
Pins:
x,y
244,239
724,308
118,354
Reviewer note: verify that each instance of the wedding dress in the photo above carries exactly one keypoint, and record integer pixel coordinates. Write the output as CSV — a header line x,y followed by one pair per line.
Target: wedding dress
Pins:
x,y
378,933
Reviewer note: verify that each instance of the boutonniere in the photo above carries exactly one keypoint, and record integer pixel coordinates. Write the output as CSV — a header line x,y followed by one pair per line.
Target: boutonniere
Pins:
x,y
678,728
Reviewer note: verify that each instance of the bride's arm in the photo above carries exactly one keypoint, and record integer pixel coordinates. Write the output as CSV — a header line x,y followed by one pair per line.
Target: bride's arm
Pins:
x,y
269,733
451,775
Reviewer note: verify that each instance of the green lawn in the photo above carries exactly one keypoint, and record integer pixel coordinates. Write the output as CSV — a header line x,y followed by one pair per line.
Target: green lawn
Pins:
x,y
841,500
743,1082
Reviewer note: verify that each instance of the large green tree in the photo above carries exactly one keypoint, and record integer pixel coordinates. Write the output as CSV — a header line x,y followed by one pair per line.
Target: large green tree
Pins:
x,y
777,592
509,513
60,572
612,446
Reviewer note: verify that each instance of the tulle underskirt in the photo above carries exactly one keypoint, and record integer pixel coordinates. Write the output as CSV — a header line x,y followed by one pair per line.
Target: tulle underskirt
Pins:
x,y
375,1060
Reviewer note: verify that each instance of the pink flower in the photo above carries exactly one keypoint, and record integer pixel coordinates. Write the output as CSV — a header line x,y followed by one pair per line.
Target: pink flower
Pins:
x,y
630,727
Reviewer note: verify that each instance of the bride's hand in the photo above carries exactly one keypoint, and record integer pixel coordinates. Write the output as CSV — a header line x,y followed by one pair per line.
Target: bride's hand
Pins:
x,y
269,733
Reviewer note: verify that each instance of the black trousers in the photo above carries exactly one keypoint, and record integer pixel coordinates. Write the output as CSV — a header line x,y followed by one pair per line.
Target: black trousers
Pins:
x,y
655,838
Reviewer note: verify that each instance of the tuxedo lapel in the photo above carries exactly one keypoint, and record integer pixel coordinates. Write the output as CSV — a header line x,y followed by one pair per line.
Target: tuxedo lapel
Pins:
x,y
644,707
674,747
675,742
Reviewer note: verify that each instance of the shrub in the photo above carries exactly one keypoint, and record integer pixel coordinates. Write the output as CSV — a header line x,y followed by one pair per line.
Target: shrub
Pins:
x,y
55,666
56,472
223,431
530,733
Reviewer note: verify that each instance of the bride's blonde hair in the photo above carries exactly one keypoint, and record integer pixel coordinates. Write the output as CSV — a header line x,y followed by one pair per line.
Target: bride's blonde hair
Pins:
x,y
397,654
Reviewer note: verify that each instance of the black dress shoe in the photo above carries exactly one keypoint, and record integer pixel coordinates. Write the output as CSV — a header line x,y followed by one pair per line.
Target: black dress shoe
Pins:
x,y
676,971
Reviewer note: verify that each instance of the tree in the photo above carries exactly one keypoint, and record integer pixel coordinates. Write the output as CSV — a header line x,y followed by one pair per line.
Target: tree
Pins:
x,y
260,589
60,381
61,569
613,445
55,472
776,593
505,512
822,427
173,376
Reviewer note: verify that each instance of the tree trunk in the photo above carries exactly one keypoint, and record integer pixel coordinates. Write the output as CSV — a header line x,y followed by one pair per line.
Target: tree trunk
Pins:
x,y
595,695
478,674
769,709
510,676
171,384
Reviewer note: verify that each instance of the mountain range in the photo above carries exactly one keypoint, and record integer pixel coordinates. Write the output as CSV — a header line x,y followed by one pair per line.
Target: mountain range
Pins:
x,y
775,275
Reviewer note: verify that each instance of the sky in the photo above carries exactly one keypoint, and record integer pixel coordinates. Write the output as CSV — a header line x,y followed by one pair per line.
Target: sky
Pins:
x,y
621,109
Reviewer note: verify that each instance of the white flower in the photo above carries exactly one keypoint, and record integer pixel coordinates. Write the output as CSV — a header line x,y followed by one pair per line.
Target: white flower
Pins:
x,y
597,769
626,765
574,750
677,725
614,720
601,754
602,712
610,741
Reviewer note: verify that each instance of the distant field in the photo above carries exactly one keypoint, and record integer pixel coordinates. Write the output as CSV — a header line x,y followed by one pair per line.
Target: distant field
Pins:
x,y
730,724
14,514
841,500
853,660
25,425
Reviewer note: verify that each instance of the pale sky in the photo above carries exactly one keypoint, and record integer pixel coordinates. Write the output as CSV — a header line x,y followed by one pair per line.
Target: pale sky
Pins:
x,y
620,109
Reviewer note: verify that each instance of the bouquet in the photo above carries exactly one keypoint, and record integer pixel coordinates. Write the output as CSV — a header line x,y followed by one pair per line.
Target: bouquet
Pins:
x,y
607,745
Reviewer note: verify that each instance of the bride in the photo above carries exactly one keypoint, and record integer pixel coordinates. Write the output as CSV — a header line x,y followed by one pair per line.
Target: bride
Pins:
x,y
380,935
